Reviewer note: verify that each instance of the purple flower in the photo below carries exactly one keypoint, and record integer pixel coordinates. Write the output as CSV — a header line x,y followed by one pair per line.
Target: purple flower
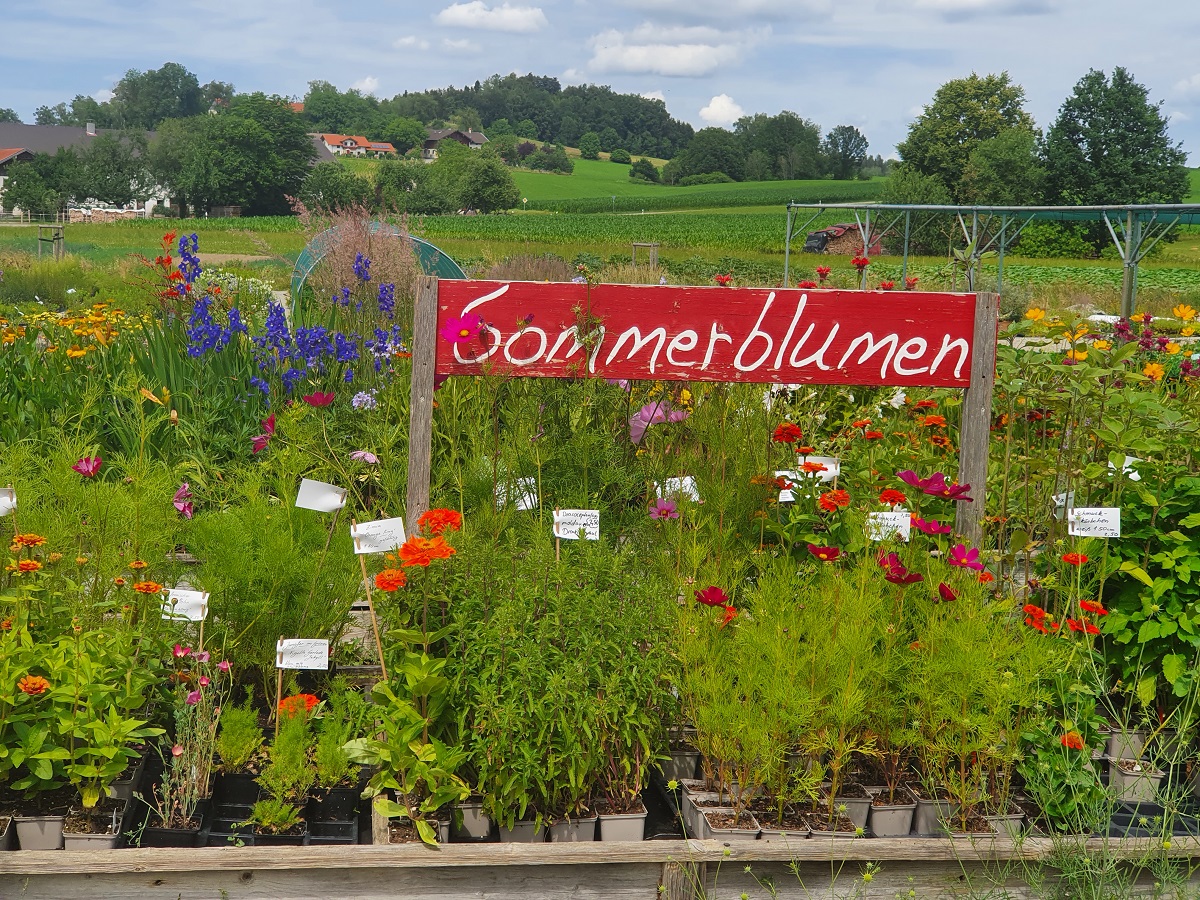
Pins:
x,y
461,330
935,485
182,500
202,656
663,509
88,466
364,400
653,414
967,559
362,267
364,456
192,698
387,299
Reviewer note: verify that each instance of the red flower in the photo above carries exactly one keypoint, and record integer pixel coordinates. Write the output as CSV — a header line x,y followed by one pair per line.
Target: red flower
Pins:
x,y
825,554
318,398
805,451
860,262
712,596
946,593
861,423
1032,610
435,521
1095,608
823,272
390,580
986,577
892,497
1074,559
831,501
783,484
812,468
1072,740
886,285
419,551
787,433
806,285
910,282
872,435
290,706
259,442
730,614
925,404
934,422
723,280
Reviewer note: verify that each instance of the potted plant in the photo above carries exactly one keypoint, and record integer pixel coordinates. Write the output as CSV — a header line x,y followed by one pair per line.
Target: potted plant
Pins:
x,y
286,778
332,813
240,751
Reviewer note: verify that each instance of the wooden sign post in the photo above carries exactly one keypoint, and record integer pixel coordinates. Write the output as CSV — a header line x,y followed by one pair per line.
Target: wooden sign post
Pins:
x,y
668,333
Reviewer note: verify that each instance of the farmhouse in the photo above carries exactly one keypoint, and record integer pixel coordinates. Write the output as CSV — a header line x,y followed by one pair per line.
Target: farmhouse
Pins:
x,y
354,145
472,139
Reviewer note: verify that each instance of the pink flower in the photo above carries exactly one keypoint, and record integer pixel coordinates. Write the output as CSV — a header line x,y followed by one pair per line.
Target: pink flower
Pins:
x,y
180,652
318,398
88,466
365,456
204,681
259,442
946,593
223,665
182,502
653,414
712,596
192,698
930,527
458,331
935,485
202,656
967,559
664,509
177,750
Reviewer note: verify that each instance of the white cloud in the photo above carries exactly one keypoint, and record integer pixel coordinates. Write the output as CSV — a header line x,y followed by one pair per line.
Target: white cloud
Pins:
x,y
410,42
1189,88
730,9
1176,115
460,45
721,110
966,9
367,85
654,95
505,17
675,52
103,95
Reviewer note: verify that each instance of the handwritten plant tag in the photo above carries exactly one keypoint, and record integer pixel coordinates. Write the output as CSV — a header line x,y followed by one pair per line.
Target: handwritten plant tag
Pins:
x,y
380,536
568,523
523,492
8,500
189,605
833,466
883,526
320,496
1063,502
682,487
1127,468
302,653
786,495
1094,521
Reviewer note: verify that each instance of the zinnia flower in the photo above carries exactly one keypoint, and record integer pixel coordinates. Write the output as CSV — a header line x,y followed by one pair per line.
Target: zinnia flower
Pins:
x,y
812,468
88,466
825,554
28,540
934,422
391,580
872,435
419,551
290,706
964,558
831,501
663,509
1074,559
33,685
1153,371
891,497
28,565
787,433
435,521
147,587
458,331
712,596
1072,740
138,564
1094,608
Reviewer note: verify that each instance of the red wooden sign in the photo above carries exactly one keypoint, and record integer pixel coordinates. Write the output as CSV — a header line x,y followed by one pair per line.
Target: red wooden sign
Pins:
x,y
705,333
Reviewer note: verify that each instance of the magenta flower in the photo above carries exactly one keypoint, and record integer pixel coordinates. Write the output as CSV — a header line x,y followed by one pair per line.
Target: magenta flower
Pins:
x,y
365,456
182,500
935,485
223,665
204,681
318,398
930,527
903,576
192,698
180,652
946,593
663,509
712,596
653,414
967,559
88,466
259,442
458,331
202,656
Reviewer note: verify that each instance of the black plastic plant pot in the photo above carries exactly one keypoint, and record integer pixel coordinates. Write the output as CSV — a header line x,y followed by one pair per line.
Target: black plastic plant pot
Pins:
x,y
237,788
156,836
332,832
281,840
335,805
224,832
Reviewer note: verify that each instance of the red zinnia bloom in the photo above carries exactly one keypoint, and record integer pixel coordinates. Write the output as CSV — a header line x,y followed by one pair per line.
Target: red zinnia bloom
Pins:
x,y
1072,740
33,685
812,468
872,435
825,554
831,501
390,580
1075,625
787,433
28,565
712,596
147,587
289,706
1096,608
861,423
1032,610
892,497
986,577
1074,559
419,551
435,521
783,484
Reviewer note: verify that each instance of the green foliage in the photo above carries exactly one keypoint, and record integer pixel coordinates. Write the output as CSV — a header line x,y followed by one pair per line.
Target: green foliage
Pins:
x,y
844,150
289,773
1053,239
274,816
240,736
1004,171
644,169
620,157
712,150
328,186
589,145
907,184
709,178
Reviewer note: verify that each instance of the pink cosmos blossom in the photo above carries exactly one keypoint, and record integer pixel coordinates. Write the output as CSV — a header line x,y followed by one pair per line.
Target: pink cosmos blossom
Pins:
x,y
653,414
967,559
461,330
223,665
365,456
88,466
930,527
664,509
182,500
318,398
180,652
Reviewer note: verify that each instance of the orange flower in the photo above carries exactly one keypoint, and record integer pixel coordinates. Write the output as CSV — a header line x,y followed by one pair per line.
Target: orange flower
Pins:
x,y
940,440
805,451
119,581
138,564
54,557
435,521
861,423
6,623
787,433
730,614
28,540
390,580
147,587
290,706
1153,371
419,551
1072,740
1074,559
28,565
811,468
925,404
872,435
892,497
81,560
986,577
33,685
830,501
934,421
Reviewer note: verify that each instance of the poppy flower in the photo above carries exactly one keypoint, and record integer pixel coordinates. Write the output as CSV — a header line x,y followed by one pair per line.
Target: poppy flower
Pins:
x,y
88,466
787,433
730,614
33,685
892,497
201,655
224,665
434,521
712,596
663,509
1074,559
177,750
419,551
1094,608
825,554
318,398
460,330
964,558
1072,740
946,593
193,698
831,501
930,526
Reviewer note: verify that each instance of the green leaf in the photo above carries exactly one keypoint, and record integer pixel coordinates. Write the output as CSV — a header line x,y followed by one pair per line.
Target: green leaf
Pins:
x,y
426,831
1146,689
1148,631
1137,572
1173,666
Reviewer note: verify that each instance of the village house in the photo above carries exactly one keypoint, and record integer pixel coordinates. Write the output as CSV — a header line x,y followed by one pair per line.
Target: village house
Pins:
x,y
355,145
472,139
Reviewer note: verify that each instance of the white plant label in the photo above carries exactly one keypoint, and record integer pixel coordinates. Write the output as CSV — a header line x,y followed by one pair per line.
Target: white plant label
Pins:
x,y
568,523
1094,521
1127,468
320,496
1063,502
833,466
683,487
380,536
8,500
189,605
786,495
884,526
302,653
523,492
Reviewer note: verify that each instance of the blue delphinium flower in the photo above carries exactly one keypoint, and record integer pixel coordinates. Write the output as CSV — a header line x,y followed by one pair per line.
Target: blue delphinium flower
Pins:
x,y
189,262
349,376
345,347
387,299
362,267
274,344
291,376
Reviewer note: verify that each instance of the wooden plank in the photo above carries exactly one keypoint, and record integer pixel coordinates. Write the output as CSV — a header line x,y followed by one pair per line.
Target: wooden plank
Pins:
x,y
976,432
420,422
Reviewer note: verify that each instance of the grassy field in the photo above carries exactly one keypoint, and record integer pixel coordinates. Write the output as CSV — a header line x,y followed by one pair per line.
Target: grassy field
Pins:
x,y
1194,196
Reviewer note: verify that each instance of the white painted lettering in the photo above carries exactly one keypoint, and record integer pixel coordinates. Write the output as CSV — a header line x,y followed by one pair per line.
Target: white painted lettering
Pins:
x,y
871,348
634,334
525,360
801,303
750,338
683,342
714,336
819,356
947,345
904,354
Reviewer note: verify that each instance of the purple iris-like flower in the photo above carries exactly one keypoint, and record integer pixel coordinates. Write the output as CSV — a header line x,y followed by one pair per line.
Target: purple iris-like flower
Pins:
x,y
664,509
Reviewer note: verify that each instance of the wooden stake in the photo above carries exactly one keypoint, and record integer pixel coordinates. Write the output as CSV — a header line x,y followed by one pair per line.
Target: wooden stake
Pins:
x,y
278,682
557,539
362,562
420,422
977,419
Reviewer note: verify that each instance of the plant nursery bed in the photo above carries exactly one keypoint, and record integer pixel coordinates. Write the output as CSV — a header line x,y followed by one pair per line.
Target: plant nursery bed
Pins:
x,y
933,867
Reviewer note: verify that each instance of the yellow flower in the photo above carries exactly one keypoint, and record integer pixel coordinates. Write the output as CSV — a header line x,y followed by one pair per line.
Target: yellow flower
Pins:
x,y
1035,314
1187,331
1080,331
1154,371
1101,345
1172,348
1141,317
1185,312
1077,355
75,352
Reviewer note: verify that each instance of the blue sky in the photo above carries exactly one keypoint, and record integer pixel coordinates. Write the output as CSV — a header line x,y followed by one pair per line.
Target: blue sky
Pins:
x,y
868,63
